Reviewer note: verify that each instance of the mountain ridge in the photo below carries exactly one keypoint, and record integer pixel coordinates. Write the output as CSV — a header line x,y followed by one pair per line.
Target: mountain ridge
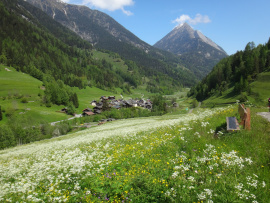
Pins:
x,y
191,45
107,34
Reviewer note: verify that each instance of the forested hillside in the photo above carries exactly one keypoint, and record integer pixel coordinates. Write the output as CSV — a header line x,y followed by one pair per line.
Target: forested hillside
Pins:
x,y
34,43
29,47
237,71
105,33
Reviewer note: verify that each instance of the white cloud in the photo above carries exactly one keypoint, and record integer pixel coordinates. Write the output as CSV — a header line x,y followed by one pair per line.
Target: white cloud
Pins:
x,y
65,1
198,19
111,5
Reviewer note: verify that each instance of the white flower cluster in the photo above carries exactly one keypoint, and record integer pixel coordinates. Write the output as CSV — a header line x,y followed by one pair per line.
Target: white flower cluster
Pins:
x,y
68,159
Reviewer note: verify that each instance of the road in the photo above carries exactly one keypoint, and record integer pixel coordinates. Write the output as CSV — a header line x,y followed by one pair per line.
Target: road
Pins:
x,y
265,115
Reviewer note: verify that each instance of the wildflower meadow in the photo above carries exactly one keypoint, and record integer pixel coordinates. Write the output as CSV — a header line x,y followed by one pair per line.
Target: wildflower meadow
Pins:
x,y
184,158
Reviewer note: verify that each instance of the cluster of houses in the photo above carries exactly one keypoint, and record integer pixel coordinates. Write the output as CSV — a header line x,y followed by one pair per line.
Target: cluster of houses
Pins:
x,y
106,103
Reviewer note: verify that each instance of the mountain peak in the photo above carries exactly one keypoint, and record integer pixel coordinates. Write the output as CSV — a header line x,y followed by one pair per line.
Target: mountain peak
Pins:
x,y
184,39
182,25
192,46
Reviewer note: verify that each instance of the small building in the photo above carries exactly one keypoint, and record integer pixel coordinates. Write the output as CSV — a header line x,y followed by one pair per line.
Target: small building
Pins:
x,y
116,107
148,105
88,112
64,110
103,98
97,109
111,97
93,103
175,104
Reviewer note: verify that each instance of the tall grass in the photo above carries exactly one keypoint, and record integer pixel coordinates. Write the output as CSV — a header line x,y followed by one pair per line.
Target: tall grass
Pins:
x,y
195,161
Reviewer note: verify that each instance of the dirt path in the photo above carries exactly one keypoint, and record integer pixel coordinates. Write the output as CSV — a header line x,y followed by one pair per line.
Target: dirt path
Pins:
x,y
199,105
266,115
76,116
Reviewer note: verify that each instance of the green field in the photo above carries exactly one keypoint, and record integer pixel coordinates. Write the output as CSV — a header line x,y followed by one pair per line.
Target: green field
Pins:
x,y
184,158
14,86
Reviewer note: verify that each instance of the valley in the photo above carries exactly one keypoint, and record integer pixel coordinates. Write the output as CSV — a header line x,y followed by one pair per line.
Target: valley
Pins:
x,y
89,112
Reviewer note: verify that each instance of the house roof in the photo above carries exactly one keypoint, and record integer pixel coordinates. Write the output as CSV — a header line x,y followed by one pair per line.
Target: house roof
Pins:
x,y
89,113
87,109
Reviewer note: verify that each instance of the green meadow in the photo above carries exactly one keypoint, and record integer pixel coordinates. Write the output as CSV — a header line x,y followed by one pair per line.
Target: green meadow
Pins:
x,y
16,85
184,158
177,157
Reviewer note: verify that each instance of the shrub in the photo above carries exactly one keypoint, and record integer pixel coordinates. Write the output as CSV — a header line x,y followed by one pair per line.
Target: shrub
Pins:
x,y
24,100
243,97
195,103
7,138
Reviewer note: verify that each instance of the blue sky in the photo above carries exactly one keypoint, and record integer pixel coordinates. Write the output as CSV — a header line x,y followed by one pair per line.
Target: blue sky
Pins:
x,y
229,23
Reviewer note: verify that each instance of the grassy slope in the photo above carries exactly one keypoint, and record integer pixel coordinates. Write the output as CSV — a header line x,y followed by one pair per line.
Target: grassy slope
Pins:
x,y
14,85
13,82
261,89
260,92
143,161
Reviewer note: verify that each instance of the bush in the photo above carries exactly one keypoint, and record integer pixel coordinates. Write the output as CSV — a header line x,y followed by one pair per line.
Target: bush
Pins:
x,y
195,103
24,100
7,138
70,109
243,97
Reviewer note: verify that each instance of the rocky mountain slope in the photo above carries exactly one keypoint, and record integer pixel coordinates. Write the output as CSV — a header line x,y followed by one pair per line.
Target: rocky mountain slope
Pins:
x,y
91,25
105,33
196,50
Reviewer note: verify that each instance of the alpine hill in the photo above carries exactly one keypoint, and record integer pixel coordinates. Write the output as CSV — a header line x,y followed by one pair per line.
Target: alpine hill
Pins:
x,y
199,53
35,43
103,32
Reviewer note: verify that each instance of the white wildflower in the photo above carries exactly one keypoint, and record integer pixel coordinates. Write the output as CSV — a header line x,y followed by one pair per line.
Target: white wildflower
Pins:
x,y
175,174
208,192
201,196
191,178
204,124
167,193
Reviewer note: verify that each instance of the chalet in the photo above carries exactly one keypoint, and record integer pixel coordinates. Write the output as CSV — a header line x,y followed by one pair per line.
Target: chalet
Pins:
x,y
93,103
111,97
64,110
99,104
175,105
148,105
116,107
103,98
88,112
97,109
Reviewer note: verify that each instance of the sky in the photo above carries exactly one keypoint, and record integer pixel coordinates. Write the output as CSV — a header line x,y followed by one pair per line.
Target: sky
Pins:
x,y
229,23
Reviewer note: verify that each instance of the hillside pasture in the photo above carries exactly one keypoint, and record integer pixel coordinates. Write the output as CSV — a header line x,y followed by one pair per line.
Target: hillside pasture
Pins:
x,y
260,89
186,158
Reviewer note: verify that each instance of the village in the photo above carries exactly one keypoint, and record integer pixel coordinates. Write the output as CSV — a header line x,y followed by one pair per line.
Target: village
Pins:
x,y
106,103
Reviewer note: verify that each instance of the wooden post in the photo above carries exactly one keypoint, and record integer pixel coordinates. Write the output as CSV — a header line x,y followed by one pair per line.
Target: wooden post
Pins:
x,y
247,120
245,116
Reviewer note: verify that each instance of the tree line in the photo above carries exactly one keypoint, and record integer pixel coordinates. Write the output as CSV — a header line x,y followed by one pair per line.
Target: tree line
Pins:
x,y
237,70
